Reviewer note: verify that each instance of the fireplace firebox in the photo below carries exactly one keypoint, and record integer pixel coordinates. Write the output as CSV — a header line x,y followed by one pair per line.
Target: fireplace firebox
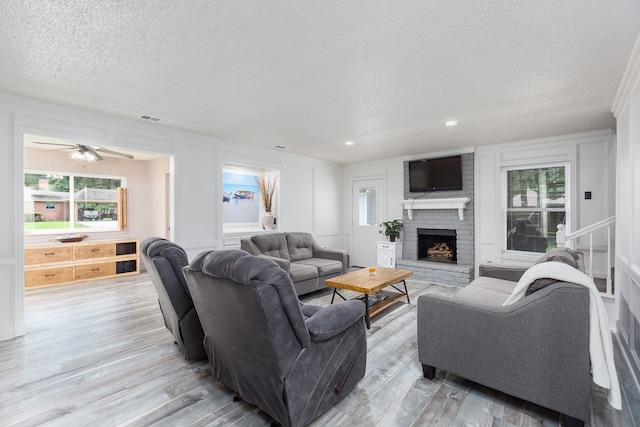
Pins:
x,y
437,245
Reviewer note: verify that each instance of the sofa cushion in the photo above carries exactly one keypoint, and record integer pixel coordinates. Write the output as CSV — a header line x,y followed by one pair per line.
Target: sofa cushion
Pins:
x,y
564,255
274,245
487,290
324,266
300,272
300,245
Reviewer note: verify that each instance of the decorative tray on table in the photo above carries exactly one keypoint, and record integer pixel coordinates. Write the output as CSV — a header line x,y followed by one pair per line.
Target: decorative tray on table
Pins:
x,y
66,238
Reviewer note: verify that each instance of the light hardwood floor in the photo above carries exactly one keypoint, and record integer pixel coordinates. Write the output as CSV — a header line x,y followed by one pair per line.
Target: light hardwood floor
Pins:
x,y
98,354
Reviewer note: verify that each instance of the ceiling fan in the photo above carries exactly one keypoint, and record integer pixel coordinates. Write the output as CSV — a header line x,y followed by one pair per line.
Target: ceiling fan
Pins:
x,y
88,153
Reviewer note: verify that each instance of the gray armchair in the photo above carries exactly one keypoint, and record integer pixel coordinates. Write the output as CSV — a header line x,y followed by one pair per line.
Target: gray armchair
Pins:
x,y
536,349
164,261
293,361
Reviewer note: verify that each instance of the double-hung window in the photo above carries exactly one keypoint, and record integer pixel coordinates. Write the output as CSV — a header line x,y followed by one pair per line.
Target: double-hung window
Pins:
x,y
536,203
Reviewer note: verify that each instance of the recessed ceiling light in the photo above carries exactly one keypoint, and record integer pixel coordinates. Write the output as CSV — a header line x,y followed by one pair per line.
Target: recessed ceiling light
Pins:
x,y
349,143
451,123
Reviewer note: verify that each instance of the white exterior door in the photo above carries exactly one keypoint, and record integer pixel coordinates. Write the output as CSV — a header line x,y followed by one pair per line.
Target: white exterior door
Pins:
x,y
367,211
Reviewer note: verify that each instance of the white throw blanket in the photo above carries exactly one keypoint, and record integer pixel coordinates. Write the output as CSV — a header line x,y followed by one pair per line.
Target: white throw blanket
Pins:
x,y
600,344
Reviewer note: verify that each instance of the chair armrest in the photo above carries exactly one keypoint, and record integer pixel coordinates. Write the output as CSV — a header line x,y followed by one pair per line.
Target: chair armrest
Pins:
x,y
246,244
332,319
335,254
309,310
284,264
502,271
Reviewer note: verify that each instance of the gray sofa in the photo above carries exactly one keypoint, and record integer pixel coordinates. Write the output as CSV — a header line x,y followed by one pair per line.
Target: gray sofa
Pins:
x,y
536,349
294,361
307,263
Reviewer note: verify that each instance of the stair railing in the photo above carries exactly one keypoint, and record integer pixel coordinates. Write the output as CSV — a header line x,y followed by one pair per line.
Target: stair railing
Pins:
x,y
569,240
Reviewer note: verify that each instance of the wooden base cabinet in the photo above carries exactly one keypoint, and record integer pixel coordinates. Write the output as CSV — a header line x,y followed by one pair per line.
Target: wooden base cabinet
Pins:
x,y
49,276
388,253
62,263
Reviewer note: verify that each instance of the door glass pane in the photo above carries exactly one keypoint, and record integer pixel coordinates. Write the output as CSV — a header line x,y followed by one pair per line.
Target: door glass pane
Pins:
x,y
367,207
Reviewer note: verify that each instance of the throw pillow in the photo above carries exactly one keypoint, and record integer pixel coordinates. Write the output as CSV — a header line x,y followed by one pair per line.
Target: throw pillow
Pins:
x,y
274,245
300,245
564,255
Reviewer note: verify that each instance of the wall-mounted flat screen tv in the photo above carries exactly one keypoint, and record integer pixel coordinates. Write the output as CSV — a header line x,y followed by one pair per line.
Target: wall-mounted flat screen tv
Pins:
x,y
440,174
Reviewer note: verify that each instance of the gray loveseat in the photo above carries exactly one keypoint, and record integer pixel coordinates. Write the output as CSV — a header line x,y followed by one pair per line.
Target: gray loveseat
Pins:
x,y
536,349
307,263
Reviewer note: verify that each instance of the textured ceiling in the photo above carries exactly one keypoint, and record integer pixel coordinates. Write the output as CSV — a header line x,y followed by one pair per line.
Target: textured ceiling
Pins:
x,y
312,75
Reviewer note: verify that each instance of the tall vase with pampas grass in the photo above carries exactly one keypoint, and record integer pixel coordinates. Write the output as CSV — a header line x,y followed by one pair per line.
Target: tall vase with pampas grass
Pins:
x,y
267,183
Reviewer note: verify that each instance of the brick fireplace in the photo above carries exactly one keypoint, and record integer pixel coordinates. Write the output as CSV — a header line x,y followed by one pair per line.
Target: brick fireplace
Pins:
x,y
440,214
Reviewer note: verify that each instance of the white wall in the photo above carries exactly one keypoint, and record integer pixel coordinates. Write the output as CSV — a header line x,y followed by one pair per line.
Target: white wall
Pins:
x,y
590,169
11,253
391,172
157,196
308,198
309,189
626,108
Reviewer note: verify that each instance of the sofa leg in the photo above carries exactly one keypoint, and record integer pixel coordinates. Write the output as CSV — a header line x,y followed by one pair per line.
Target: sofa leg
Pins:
x,y
429,371
572,422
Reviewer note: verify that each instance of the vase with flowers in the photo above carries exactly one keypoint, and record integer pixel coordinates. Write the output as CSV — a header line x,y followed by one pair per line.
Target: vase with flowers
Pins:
x,y
267,183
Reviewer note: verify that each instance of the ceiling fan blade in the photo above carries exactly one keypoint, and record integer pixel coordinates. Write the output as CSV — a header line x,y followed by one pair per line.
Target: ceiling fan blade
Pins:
x,y
55,143
93,149
95,153
115,153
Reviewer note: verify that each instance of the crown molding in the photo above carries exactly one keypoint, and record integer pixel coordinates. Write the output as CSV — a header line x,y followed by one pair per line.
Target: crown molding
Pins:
x,y
630,81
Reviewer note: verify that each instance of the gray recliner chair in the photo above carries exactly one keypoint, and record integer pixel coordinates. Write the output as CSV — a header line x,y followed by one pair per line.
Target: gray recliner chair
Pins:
x,y
293,361
164,261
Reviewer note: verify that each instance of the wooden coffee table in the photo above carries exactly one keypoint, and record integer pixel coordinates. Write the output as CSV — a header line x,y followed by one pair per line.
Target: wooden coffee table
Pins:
x,y
361,281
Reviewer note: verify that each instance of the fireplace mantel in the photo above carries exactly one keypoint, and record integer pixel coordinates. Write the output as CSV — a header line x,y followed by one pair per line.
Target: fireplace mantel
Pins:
x,y
458,203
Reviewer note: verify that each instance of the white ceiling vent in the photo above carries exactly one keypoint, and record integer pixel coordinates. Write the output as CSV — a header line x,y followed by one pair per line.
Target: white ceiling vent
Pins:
x,y
155,119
